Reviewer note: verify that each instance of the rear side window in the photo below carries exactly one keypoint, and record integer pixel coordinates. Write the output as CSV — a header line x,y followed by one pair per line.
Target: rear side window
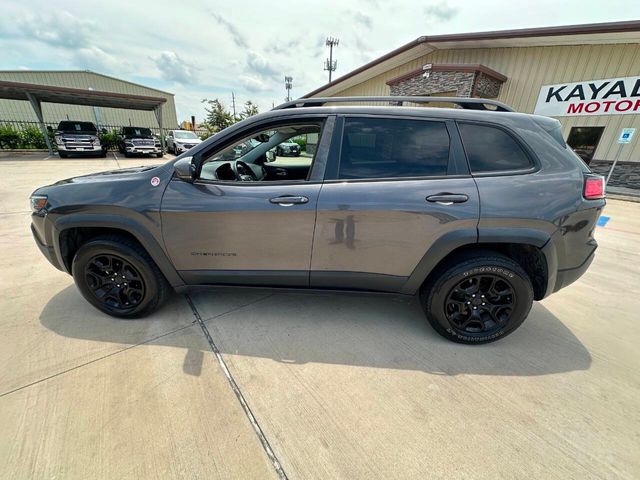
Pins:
x,y
491,149
384,148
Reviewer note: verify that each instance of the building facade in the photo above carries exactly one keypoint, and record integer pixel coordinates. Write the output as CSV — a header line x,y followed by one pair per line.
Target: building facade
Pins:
x,y
586,76
20,111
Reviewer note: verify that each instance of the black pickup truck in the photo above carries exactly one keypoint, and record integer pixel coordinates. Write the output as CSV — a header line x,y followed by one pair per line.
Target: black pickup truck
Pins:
x,y
78,138
138,141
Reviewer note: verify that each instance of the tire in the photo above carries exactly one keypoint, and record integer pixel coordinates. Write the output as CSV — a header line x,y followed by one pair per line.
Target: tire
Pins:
x,y
159,155
63,154
126,154
454,304
126,260
103,154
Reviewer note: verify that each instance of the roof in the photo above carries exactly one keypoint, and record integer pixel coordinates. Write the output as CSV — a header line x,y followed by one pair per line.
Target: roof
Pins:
x,y
594,33
77,96
87,71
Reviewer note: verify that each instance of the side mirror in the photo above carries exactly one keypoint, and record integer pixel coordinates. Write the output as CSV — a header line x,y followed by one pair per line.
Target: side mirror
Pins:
x,y
185,169
49,129
271,156
104,130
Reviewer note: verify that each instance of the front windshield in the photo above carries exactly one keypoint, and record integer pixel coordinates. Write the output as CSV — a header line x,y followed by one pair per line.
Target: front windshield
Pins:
x,y
185,135
77,127
139,132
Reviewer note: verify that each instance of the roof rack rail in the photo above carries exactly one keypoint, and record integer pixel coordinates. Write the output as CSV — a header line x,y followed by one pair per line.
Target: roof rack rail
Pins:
x,y
466,103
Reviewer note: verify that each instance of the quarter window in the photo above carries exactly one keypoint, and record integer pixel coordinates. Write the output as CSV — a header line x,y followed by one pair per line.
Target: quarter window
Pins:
x,y
382,148
491,149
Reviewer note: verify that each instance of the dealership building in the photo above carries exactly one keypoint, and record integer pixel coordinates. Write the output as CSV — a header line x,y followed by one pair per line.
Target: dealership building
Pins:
x,y
70,84
586,76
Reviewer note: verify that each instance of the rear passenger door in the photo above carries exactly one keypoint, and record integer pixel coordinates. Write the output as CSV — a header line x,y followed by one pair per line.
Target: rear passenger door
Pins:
x,y
393,187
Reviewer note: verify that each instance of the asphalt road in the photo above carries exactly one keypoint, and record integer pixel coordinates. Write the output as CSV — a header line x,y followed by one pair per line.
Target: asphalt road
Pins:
x,y
307,385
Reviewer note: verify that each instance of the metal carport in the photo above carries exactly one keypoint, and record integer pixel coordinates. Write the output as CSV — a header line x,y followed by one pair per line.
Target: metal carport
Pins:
x,y
37,94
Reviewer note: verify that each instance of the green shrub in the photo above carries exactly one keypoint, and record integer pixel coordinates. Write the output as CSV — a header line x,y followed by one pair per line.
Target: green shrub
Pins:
x,y
110,139
9,137
302,141
32,137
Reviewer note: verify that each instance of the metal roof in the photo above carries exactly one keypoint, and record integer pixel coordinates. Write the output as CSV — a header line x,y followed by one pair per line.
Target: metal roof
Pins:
x,y
76,96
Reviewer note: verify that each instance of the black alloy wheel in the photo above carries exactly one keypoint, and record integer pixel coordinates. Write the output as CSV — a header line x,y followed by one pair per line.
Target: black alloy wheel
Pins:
x,y
115,282
117,276
477,297
480,304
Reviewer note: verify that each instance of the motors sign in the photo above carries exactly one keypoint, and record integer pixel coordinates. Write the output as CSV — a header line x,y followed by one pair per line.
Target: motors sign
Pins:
x,y
611,96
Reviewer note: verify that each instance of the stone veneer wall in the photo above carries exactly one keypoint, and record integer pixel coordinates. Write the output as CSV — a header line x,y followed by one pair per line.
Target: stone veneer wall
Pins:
x,y
486,86
438,82
626,174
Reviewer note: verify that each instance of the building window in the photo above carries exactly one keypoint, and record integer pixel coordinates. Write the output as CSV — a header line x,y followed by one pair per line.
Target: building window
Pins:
x,y
584,141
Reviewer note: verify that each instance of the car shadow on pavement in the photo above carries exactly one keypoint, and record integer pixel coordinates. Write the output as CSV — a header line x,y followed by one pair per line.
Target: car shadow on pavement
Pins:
x,y
300,328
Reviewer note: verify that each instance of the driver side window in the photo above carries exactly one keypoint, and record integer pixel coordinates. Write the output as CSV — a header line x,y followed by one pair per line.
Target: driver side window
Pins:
x,y
282,153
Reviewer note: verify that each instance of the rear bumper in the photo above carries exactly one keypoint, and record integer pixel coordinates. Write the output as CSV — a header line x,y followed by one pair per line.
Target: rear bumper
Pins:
x,y
566,277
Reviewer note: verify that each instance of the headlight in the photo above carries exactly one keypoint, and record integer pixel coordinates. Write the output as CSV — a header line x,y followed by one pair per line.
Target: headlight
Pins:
x,y
59,140
96,141
128,142
38,202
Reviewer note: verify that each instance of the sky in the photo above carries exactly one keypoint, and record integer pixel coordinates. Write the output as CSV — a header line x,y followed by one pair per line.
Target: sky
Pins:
x,y
205,49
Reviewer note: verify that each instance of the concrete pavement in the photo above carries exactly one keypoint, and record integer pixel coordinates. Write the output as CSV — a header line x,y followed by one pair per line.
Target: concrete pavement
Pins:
x,y
340,386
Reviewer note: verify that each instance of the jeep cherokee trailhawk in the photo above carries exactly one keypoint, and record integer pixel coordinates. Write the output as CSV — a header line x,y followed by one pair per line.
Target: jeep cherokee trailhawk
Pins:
x,y
477,210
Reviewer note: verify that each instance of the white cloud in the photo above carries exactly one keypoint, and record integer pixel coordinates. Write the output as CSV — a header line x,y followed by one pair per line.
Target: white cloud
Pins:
x,y
174,68
248,47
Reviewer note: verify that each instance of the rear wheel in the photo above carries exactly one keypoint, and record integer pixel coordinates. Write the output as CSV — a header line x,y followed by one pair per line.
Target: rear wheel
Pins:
x,y
478,299
116,275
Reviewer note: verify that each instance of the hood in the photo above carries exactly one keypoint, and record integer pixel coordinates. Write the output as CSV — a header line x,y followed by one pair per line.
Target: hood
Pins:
x,y
108,175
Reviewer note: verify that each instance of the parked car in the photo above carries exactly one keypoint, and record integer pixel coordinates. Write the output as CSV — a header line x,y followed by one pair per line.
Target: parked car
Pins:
x,y
288,149
477,211
179,141
138,141
74,137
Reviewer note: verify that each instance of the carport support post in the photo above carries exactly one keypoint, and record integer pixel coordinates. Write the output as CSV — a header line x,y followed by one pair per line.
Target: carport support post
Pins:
x,y
37,107
158,112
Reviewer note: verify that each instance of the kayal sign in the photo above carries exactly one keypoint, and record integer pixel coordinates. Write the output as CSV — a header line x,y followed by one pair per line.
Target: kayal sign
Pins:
x,y
611,96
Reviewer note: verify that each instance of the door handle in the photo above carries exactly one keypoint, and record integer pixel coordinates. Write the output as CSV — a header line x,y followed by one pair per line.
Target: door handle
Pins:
x,y
447,198
289,200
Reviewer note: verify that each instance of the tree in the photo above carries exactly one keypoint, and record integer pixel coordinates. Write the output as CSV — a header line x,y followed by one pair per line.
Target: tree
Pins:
x,y
217,115
250,109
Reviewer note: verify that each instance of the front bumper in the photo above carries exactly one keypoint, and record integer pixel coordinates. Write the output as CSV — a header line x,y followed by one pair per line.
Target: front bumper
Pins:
x,y
183,148
92,148
48,251
142,149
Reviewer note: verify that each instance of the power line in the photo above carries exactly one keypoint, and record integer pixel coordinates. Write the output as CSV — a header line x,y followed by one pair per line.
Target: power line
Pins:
x,y
330,64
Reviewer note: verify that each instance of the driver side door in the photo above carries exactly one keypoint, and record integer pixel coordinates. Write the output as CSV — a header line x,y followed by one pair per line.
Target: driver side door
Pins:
x,y
245,232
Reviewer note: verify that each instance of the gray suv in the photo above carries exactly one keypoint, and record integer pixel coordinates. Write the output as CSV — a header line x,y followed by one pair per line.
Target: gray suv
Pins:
x,y
476,210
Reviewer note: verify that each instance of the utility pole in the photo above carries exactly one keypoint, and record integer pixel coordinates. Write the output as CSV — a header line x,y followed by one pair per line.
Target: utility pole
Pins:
x,y
233,102
288,83
330,64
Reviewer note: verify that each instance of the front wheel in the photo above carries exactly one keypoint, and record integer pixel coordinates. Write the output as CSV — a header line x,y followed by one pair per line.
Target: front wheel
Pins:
x,y
116,275
477,299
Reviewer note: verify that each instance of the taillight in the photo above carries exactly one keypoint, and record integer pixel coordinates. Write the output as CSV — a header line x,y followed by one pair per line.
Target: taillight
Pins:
x,y
593,187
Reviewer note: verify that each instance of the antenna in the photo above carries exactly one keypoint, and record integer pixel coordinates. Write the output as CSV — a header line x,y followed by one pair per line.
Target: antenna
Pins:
x,y
288,83
330,64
